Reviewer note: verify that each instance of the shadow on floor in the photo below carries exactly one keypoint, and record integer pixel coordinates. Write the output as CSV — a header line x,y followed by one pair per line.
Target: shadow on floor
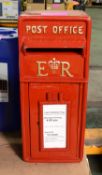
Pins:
x,y
95,162
13,139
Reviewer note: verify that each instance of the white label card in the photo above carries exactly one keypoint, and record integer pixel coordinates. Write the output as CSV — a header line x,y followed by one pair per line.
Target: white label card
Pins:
x,y
54,125
4,82
10,9
57,1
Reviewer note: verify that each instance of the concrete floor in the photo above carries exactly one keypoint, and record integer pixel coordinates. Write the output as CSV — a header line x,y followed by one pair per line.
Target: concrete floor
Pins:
x,y
95,85
11,162
96,42
94,109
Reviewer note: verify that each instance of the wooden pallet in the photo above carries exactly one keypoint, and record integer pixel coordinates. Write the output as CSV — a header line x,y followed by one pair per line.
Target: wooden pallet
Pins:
x,y
93,141
8,23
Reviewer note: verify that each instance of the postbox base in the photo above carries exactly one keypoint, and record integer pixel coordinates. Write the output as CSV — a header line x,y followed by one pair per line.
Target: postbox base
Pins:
x,y
36,148
54,53
51,161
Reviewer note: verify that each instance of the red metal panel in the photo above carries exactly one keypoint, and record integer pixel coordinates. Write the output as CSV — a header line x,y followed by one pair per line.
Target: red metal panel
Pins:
x,y
30,63
54,64
25,120
55,31
70,95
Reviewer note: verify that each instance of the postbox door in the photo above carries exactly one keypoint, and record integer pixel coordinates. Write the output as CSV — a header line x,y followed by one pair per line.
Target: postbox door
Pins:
x,y
54,117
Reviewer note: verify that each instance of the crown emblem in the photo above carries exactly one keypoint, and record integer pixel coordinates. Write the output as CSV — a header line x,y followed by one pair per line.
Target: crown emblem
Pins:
x,y
54,64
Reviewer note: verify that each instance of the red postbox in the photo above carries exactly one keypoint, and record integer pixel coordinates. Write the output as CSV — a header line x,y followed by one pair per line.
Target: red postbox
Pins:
x,y
54,64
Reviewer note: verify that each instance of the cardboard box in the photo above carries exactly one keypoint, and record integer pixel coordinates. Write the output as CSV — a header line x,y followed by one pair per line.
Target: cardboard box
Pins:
x,y
41,6
57,1
55,6
38,1
35,6
8,9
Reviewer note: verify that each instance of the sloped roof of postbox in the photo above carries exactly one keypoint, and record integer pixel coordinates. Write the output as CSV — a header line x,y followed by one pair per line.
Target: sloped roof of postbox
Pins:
x,y
41,29
66,14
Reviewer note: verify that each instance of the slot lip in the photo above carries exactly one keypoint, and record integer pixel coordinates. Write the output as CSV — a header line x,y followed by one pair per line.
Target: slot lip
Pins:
x,y
71,50
39,43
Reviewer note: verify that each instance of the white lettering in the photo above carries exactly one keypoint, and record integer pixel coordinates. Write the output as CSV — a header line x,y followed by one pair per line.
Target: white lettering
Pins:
x,y
33,29
55,29
41,68
60,28
65,69
45,29
36,29
28,28
74,30
66,29
71,29
80,30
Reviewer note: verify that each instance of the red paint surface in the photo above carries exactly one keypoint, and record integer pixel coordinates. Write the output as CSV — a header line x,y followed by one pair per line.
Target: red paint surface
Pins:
x,y
53,89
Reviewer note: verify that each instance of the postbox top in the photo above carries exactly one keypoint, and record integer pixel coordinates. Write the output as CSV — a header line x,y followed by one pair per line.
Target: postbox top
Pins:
x,y
71,13
58,29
